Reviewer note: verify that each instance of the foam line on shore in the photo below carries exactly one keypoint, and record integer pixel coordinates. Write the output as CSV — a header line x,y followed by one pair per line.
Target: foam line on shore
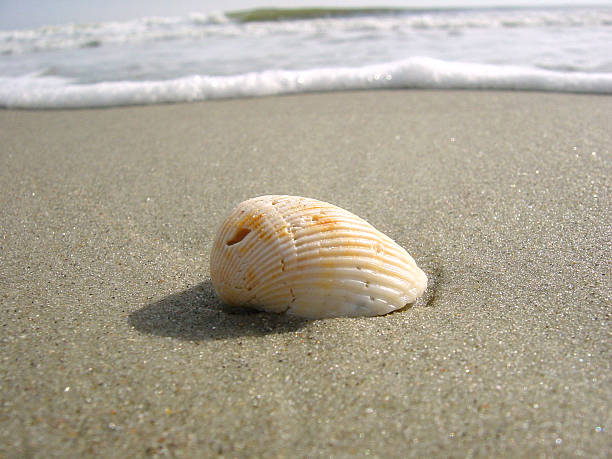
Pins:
x,y
35,91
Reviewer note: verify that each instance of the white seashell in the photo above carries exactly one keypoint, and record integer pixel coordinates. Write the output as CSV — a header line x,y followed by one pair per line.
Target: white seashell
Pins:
x,y
310,259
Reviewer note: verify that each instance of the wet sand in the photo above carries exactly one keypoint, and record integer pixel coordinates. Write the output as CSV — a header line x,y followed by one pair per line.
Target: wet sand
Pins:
x,y
114,343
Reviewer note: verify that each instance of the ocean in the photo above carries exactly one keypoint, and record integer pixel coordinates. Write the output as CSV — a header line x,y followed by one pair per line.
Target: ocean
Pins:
x,y
204,56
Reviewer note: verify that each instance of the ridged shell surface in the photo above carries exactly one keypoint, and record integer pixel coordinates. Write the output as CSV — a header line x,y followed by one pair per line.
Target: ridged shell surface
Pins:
x,y
311,259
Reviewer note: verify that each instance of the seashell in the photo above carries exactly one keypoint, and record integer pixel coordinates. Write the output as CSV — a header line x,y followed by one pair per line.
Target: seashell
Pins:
x,y
311,259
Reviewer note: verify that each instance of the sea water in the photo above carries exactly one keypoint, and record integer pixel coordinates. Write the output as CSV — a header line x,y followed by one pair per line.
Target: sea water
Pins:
x,y
216,55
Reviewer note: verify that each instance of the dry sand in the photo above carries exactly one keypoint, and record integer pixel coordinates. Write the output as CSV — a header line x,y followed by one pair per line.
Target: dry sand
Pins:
x,y
114,344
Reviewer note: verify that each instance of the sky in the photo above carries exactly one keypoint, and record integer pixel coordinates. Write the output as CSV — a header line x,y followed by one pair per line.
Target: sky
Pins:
x,y
19,14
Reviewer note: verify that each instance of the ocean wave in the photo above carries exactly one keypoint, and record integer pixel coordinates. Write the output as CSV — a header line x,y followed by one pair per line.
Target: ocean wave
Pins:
x,y
68,36
37,91
200,26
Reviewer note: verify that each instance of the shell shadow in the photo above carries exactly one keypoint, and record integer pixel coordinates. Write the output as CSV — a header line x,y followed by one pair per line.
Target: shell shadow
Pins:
x,y
197,314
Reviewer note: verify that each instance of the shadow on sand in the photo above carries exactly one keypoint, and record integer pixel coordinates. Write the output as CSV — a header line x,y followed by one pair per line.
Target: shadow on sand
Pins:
x,y
197,314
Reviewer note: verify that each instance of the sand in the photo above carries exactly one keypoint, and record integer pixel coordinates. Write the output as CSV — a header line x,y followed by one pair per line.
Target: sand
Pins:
x,y
115,345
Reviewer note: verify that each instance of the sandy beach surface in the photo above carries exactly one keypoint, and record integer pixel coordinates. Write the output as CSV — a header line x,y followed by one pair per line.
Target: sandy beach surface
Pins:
x,y
115,345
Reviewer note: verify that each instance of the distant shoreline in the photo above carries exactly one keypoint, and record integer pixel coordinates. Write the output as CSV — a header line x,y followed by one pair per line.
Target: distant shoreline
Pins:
x,y
287,14
283,14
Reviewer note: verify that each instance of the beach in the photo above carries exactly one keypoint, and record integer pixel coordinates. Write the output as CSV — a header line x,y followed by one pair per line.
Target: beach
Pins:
x,y
115,344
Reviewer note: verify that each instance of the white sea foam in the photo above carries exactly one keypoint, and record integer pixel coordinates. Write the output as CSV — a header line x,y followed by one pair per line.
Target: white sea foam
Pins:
x,y
217,24
35,91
